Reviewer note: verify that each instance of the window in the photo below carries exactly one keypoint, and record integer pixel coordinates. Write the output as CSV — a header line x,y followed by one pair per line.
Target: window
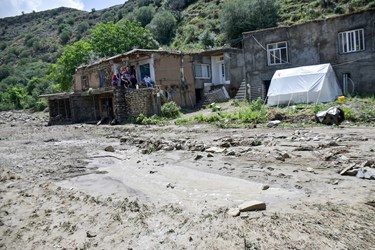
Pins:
x,y
202,71
277,53
352,41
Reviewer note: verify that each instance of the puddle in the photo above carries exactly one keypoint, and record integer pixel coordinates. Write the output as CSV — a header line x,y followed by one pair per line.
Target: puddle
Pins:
x,y
187,187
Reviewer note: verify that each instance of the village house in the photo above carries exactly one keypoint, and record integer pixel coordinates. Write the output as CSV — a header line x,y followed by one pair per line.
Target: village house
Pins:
x,y
183,78
347,42
95,97
214,69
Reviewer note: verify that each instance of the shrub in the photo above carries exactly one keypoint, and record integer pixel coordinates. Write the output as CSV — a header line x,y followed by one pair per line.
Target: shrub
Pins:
x,y
207,39
245,15
144,15
65,36
82,27
170,110
162,26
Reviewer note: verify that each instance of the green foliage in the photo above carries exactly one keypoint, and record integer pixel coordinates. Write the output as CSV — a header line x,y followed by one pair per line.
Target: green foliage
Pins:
x,y
5,71
144,15
163,26
109,39
142,3
207,39
73,56
83,26
245,15
170,110
178,4
65,36
144,120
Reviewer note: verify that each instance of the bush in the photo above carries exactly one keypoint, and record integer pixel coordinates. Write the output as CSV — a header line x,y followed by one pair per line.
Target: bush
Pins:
x,y
65,36
239,16
144,15
207,39
170,110
162,26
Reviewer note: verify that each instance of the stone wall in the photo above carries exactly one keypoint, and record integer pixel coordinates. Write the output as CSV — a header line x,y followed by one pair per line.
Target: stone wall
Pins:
x,y
84,108
133,102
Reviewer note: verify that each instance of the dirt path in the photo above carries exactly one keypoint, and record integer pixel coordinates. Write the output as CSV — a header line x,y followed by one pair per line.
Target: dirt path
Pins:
x,y
170,187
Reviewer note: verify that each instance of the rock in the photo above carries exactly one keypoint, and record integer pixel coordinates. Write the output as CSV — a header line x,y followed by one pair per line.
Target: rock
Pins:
x,y
215,150
231,153
252,206
109,149
265,187
90,234
210,155
274,123
256,143
169,185
153,171
285,155
198,157
225,145
233,212
311,170
366,173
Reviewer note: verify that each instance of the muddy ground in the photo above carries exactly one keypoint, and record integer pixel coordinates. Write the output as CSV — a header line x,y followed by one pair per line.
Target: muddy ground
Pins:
x,y
169,187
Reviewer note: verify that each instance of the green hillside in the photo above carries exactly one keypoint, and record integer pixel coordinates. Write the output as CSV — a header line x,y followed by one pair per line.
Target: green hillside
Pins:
x,y
30,43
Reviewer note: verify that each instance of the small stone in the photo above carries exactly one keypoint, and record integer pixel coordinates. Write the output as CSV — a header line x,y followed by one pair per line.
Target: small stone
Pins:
x,y
90,234
210,155
169,185
109,149
335,182
265,187
153,171
230,153
233,212
311,170
215,150
252,206
198,157
274,123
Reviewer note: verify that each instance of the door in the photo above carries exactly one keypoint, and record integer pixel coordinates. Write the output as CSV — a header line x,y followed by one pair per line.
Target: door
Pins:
x,y
218,70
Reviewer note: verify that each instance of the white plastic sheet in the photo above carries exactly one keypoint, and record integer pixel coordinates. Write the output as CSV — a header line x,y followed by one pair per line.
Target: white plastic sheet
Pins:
x,y
316,83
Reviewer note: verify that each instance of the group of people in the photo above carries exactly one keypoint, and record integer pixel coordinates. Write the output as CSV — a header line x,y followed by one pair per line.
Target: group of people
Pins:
x,y
127,78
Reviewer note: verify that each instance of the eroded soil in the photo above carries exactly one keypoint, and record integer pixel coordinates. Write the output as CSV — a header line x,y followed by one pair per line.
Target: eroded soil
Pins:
x,y
170,187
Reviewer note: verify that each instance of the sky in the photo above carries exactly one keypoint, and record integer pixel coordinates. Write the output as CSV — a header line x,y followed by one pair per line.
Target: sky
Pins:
x,y
15,7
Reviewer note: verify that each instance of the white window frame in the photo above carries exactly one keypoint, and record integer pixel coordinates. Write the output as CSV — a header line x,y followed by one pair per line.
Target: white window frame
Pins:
x,y
274,55
205,71
351,41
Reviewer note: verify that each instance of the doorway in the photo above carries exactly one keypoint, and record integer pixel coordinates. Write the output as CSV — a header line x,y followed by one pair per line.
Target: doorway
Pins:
x,y
266,86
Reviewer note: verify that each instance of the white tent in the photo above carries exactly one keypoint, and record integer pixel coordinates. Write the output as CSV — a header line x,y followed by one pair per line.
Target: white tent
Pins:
x,y
316,83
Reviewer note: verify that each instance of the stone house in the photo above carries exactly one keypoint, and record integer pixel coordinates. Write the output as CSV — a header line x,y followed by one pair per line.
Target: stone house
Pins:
x,y
217,68
347,42
94,97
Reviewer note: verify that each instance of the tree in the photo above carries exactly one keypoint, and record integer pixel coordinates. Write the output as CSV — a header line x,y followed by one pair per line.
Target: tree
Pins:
x,y
162,26
109,39
246,15
73,56
144,15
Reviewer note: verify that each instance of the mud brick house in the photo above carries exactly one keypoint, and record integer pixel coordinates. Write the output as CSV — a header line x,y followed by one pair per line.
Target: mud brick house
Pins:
x,y
214,69
94,97
347,42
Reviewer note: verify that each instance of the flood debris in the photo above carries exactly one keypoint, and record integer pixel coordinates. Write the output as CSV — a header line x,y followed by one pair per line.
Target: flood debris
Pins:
x,y
333,115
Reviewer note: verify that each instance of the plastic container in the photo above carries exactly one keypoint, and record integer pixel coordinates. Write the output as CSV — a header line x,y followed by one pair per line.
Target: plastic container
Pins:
x,y
341,98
